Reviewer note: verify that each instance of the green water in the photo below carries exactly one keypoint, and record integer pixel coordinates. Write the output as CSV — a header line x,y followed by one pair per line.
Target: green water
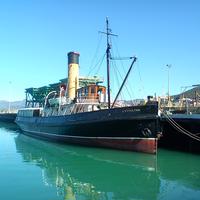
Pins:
x,y
32,169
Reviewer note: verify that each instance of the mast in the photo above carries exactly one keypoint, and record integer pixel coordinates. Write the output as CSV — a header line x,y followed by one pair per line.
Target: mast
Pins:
x,y
108,61
108,57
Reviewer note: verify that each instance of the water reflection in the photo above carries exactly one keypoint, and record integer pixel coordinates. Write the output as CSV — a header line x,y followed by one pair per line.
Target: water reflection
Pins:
x,y
73,172
9,126
180,167
89,173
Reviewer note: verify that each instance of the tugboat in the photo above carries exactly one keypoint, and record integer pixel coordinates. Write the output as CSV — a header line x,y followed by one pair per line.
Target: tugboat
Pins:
x,y
83,116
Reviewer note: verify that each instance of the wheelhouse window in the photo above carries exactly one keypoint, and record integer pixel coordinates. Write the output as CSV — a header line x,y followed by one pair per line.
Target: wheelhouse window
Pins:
x,y
29,113
93,92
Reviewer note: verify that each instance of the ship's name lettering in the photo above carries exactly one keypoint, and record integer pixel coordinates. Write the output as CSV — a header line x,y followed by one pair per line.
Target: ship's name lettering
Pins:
x,y
132,110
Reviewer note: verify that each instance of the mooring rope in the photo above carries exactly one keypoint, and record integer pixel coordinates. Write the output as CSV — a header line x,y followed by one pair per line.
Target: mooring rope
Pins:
x,y
180,128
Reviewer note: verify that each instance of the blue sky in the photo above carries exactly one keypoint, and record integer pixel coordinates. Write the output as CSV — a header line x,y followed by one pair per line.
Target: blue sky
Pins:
x,y
36,36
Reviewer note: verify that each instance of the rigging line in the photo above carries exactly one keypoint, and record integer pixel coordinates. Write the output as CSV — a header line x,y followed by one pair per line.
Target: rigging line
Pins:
x,y
130,90
99,63
138,64
116,79
127,89
181,129
93,68
130,96
183,132
118,70
113,84
118,85
97,49
124,70
121,95
114,68
195,135
125,85
96,52
118,54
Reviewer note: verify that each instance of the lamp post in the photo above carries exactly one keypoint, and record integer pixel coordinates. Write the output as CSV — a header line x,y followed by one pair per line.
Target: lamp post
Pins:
x,y
168,66
9,97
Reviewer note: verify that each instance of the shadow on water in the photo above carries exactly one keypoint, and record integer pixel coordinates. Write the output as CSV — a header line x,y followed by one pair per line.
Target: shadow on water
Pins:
x,y
90,173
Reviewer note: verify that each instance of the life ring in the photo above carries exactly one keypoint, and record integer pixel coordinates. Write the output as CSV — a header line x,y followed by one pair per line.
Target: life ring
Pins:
x,y
146,132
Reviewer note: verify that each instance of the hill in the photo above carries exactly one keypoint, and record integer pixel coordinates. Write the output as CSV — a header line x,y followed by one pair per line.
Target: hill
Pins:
x,y
14,105
191,94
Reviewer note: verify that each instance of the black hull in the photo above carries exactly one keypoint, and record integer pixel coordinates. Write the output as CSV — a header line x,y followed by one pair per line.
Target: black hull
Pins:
x,y
175,139
131,128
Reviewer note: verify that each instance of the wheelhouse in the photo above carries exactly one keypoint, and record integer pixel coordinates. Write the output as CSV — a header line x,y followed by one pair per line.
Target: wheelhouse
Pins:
x,y
92,92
